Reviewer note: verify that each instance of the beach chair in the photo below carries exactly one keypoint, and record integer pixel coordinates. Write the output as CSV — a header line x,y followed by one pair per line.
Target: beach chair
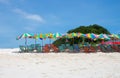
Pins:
x,y
93,45
109,48
46,49
92,49
81,46
103,48
116,48
33,46
86,49
22,48
55,49
71,48
119,46
36,46
63,45
39,49
76,48
29,49
61,48
67,45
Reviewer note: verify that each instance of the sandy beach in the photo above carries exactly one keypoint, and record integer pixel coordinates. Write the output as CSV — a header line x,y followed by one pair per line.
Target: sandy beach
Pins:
x,y
58,65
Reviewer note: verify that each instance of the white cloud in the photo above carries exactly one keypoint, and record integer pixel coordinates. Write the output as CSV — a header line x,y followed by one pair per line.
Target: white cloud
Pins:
x,y
29,16
4,1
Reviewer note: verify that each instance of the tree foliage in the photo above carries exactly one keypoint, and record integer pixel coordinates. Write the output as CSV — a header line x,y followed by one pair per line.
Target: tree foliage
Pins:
x,y
97,29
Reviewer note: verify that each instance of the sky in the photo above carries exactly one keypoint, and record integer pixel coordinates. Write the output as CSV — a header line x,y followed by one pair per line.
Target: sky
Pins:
x,y
44,16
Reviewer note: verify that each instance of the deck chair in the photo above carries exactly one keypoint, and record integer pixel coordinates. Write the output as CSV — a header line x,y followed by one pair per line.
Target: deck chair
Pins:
x,y
86,49
61,48
46,49
103,48
70,48
116,48
109,48
29,49
22,48
76,48
63,45
92,49
67,45
39,49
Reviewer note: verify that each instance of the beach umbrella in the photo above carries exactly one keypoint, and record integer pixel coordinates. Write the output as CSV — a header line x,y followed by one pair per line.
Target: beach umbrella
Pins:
x,y
88,35
94,36
114,36
91,36
18,37
119,36
69,35
82,36
57,35
104,36
36,36
50,36
74,35
25,35
78,34
42,37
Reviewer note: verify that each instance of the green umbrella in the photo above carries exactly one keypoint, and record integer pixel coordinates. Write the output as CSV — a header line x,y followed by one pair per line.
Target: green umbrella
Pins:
x,y
57,35
25,35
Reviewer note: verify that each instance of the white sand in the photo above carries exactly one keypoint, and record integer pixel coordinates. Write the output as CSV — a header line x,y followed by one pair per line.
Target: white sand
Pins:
x,y
58,65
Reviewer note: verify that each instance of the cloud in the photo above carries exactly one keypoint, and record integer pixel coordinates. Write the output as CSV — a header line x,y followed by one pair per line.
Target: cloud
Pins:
x,y
4,1
29,16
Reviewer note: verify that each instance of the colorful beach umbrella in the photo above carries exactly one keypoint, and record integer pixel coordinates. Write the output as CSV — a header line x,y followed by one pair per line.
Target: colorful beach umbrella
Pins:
x,y
91,36
74,35
114,36
119,36
104,36
36,36
42,37
69,35
80,34
88,35
25,35
50,35
57,35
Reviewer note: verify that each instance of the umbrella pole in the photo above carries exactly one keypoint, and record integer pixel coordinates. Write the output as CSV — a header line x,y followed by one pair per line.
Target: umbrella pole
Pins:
x,y
35,45
42,45
82,41
50,43
73,43
73,40
25,44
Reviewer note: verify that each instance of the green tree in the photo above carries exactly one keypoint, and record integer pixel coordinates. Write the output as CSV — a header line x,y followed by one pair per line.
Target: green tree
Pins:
x,y
95,28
